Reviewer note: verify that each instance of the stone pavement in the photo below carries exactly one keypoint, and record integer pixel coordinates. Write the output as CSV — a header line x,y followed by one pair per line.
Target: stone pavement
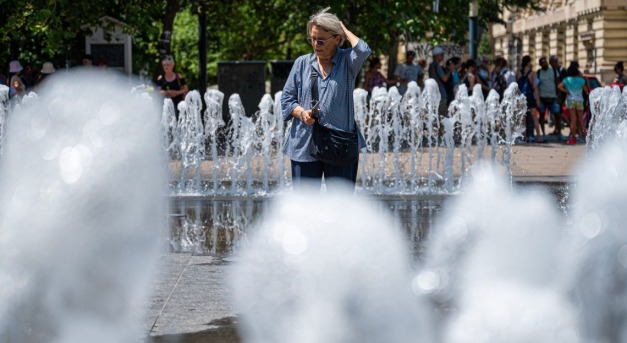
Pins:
x,y
545,160
189,302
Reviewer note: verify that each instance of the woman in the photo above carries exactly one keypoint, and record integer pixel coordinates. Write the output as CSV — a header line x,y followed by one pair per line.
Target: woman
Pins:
x,y
172,85
47,70
17,89
454,65
527,83
619,69
337,70
574,85
374,78
471,78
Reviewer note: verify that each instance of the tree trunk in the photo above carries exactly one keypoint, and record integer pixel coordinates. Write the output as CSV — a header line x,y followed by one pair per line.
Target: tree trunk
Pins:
x,y
392,54
171,8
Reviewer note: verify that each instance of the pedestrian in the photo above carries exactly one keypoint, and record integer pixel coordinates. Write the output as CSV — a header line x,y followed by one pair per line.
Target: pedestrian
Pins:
x,y
451,85
330,73
574,85
527,84
441,76
374,77
46,70
17,89
407,72
172,85
88,61
483,71
471,78
548,79
503,76
619,69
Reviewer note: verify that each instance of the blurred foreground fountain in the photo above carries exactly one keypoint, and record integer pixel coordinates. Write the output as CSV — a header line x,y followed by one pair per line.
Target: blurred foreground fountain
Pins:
x,y
335,270
406,153
82,212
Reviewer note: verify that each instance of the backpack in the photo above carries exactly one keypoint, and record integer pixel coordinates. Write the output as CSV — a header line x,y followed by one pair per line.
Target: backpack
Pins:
x,y
525,86
500,84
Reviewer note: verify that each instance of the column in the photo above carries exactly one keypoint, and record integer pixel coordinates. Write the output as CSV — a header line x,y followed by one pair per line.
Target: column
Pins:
x,y
610,31
539,47
558,42
571,44
582,47
527,41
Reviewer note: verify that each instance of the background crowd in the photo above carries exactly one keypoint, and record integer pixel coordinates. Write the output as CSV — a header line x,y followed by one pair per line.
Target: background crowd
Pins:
x,y
556,96
24,79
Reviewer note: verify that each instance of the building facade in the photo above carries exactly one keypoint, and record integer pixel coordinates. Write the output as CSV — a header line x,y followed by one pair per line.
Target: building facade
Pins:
x,y
592,32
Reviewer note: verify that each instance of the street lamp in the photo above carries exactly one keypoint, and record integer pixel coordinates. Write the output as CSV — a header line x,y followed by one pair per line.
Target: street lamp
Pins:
x,y
473,14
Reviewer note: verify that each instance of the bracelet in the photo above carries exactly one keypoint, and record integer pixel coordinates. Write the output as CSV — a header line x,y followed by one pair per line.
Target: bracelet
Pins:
x,y
300,115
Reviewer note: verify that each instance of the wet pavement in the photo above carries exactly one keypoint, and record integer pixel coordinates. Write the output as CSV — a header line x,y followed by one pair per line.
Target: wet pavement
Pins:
x,y
190,298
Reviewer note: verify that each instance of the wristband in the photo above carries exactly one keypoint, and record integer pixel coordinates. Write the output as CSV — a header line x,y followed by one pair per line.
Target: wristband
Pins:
x,y
300,115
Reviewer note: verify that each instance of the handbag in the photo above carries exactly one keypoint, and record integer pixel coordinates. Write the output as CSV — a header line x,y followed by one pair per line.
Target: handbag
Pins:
x,y
335,147
338,148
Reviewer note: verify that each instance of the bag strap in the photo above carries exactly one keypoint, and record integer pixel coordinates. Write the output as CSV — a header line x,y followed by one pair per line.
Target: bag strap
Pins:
x,y
314,92
314,86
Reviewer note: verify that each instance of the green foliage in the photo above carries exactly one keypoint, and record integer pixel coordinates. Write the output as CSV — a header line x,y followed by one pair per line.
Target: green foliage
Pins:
x,y
185,45
485,48
38,30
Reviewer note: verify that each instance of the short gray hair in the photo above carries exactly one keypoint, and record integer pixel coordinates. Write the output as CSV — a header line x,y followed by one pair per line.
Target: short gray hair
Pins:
x,y
328,22
554,59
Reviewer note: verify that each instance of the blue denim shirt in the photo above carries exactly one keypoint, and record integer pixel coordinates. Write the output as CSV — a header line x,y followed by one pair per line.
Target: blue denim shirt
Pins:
x,y
335,92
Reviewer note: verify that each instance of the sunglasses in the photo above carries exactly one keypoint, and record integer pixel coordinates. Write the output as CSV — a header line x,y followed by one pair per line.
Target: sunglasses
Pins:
x,y
319,42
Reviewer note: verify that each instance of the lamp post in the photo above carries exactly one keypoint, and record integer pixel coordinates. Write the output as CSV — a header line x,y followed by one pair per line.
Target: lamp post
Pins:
x,y
202,50
473,13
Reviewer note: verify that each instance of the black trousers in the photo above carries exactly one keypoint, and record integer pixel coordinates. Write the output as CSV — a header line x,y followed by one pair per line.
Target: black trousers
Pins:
x,y
305,174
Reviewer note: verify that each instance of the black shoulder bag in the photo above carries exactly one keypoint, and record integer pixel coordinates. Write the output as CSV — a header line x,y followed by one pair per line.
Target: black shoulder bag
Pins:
x,y
338,148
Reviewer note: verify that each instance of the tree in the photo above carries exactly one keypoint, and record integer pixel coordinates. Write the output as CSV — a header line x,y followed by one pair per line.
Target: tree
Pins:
x,y
39,30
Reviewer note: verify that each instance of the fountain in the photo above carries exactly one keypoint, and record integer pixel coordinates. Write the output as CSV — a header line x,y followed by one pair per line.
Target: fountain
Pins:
x,y
332,271
401,133
4,113
608,110
92,170
82,212
501,265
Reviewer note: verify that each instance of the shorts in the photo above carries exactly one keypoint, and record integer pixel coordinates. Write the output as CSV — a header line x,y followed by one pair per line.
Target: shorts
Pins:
x,y
574,104
551,104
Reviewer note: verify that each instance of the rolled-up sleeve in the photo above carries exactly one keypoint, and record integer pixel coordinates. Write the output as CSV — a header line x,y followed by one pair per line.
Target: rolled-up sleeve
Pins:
x,y
289,97
358,55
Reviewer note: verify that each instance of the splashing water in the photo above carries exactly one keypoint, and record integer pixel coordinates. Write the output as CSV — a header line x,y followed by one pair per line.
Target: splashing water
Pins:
x,y
400,132
82,212
213,122
608,110
190,133
4,114
334,271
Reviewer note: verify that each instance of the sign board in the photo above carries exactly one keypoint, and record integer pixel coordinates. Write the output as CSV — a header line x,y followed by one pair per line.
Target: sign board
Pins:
x,y
113,45
279,71
246,78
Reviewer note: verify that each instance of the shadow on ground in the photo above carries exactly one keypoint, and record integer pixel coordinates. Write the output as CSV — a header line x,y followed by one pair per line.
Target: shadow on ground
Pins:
x,y
224,332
